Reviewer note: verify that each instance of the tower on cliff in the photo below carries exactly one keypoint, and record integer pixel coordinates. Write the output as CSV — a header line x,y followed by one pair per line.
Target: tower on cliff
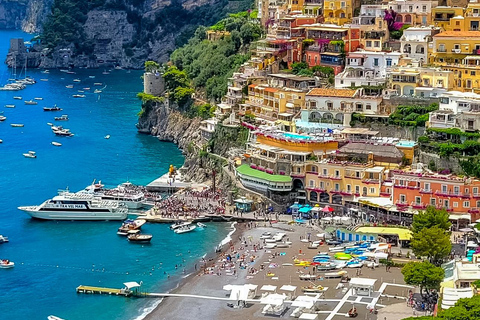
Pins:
x,y
153,83
17,45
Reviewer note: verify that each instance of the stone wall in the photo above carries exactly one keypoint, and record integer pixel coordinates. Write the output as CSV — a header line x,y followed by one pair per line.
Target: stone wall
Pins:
x,y
451,163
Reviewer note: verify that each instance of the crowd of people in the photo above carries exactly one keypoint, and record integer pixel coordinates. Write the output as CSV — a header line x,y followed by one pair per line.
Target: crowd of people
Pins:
x,y
192,204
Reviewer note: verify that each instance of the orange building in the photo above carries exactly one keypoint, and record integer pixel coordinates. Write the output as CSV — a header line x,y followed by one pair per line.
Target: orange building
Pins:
x,y
459,196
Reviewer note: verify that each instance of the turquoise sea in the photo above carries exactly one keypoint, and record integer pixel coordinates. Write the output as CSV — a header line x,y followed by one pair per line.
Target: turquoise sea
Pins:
x,y
53,258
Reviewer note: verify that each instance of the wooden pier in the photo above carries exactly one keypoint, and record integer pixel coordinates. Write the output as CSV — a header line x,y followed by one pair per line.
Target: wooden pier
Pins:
x,y
131,288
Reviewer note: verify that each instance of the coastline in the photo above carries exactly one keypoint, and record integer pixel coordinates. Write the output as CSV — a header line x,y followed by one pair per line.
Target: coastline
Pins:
x,y
151,312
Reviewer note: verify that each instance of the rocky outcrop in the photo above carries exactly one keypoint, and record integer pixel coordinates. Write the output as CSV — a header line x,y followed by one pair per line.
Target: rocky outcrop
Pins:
x,y
27,15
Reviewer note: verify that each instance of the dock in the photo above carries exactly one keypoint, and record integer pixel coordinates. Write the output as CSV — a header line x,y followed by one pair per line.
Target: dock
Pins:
x,y
100,290
167,184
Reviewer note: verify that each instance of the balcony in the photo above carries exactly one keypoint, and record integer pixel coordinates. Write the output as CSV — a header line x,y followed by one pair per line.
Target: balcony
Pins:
x,y
426,191
421,206
370,181
474,210
401,204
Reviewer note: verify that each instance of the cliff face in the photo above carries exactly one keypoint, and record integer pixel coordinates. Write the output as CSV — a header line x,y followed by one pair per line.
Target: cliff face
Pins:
x,y
28,15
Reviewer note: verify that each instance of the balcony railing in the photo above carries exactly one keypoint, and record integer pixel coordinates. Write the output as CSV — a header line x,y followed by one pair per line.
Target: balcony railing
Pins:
x,y
426,191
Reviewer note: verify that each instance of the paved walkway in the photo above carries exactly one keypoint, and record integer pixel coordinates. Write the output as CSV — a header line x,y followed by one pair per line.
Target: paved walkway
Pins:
x,y
397,311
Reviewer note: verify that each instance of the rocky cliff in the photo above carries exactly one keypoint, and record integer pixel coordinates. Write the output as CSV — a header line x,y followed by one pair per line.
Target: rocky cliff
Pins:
x,y
27,15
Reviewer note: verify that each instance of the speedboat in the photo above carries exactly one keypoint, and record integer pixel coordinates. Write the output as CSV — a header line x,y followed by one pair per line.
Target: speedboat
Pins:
x,y
51,317
97,84
201,225
3,239
179,224
54,108
63,133
129,225
56,144
91,77
87,88
97,91
38,98
77,206
17,98
308,277
70,86
76,80
185,229
44,80
30,102
17,125
78,96
3,118
6,264
107,136
139,237
45,71
30,154
64,117
9,106
266,235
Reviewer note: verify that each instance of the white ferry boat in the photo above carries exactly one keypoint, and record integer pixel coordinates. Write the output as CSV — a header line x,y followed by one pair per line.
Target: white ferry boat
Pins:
x,y
77,206
125,193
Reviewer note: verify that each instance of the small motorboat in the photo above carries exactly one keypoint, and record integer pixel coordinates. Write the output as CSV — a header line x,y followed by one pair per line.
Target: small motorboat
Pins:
x,y
129,225
179,224
185,229
64,117
70,86
3,239
30,154
97,91
313,288
51,317
6,264
70,72
201,225
17,98
38,98
17,125
56,144
45,71
76,80
308,277
30,102
9,106
54,108
87,88
97,84
355,264
3,118
78,96
266,235
49,124
107,136
137,237
44,80
91,77
63,133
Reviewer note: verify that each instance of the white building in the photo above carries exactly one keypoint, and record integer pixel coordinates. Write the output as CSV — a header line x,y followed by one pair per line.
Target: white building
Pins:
x,y
415,42
208,128
457,109
337,105
413,12
366,68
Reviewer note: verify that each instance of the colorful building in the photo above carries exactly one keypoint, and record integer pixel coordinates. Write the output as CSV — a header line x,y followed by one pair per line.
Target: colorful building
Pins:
x,y
451,47
338,12
413,12
420,81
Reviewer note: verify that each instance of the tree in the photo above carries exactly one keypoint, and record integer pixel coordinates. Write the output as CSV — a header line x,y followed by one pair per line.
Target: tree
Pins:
x,y
431,217
433,243
175,78
464,309
298,67
151,66
423,274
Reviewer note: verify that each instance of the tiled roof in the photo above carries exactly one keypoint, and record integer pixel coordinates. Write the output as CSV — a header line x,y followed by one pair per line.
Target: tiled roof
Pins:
x,y
470,34
323,92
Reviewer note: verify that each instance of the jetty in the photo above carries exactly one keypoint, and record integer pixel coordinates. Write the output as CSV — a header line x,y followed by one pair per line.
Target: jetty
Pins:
x,y
130,289
168,184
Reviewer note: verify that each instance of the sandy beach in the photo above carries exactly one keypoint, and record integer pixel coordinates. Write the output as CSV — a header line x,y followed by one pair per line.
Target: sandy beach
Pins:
x,y
247,244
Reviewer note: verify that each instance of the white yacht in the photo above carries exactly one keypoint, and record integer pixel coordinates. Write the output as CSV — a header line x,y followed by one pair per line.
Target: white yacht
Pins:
x,y
77,206
125,193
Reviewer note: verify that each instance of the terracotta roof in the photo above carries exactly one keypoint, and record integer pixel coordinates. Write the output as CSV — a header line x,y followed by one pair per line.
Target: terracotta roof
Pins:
x,y
323,92
470,34
268,89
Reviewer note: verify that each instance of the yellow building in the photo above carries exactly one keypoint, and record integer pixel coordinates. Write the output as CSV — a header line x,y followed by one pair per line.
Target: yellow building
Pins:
x,y
338,12
334,182
421,81
275,105
466,73
451,47
441,16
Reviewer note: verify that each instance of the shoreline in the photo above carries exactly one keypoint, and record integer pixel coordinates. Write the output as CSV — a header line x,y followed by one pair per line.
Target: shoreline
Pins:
x,y
210,257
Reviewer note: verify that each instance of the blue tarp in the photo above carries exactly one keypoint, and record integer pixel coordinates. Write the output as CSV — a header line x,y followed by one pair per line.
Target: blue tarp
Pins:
x,y
305,209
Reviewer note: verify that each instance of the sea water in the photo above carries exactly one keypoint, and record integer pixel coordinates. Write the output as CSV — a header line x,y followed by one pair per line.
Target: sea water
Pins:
x,y
53,258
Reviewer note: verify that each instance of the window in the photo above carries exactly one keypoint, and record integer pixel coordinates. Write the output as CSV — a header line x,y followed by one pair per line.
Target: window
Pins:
x,y
369,43
372,190
322,185
337,173
455,204
357,190
368,107
472,73
467,190
424,8
475,191
446,204
389,62
375,62
349,188
342,4
325,172
376,44
330,105
444,188
433,201
441,48
357,174
403,198
337,187
466,204
364,191
456,189
418,200
427,186
468,84
311,183
456,46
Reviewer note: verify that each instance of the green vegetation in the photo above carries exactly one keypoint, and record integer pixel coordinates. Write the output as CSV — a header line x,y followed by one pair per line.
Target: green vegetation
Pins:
x,y
423,274
413,116
397,34
209,64
302,69
431,235
464,309
151,66
431,217
203,111
149,97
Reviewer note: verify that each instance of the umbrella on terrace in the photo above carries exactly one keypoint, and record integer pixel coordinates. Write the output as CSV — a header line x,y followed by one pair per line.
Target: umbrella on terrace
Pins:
x,y
328,209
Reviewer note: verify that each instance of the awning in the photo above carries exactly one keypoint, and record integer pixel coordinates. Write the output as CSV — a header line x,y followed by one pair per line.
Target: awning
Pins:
x,y
268,287
130,285
459,217
288,288
285,114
